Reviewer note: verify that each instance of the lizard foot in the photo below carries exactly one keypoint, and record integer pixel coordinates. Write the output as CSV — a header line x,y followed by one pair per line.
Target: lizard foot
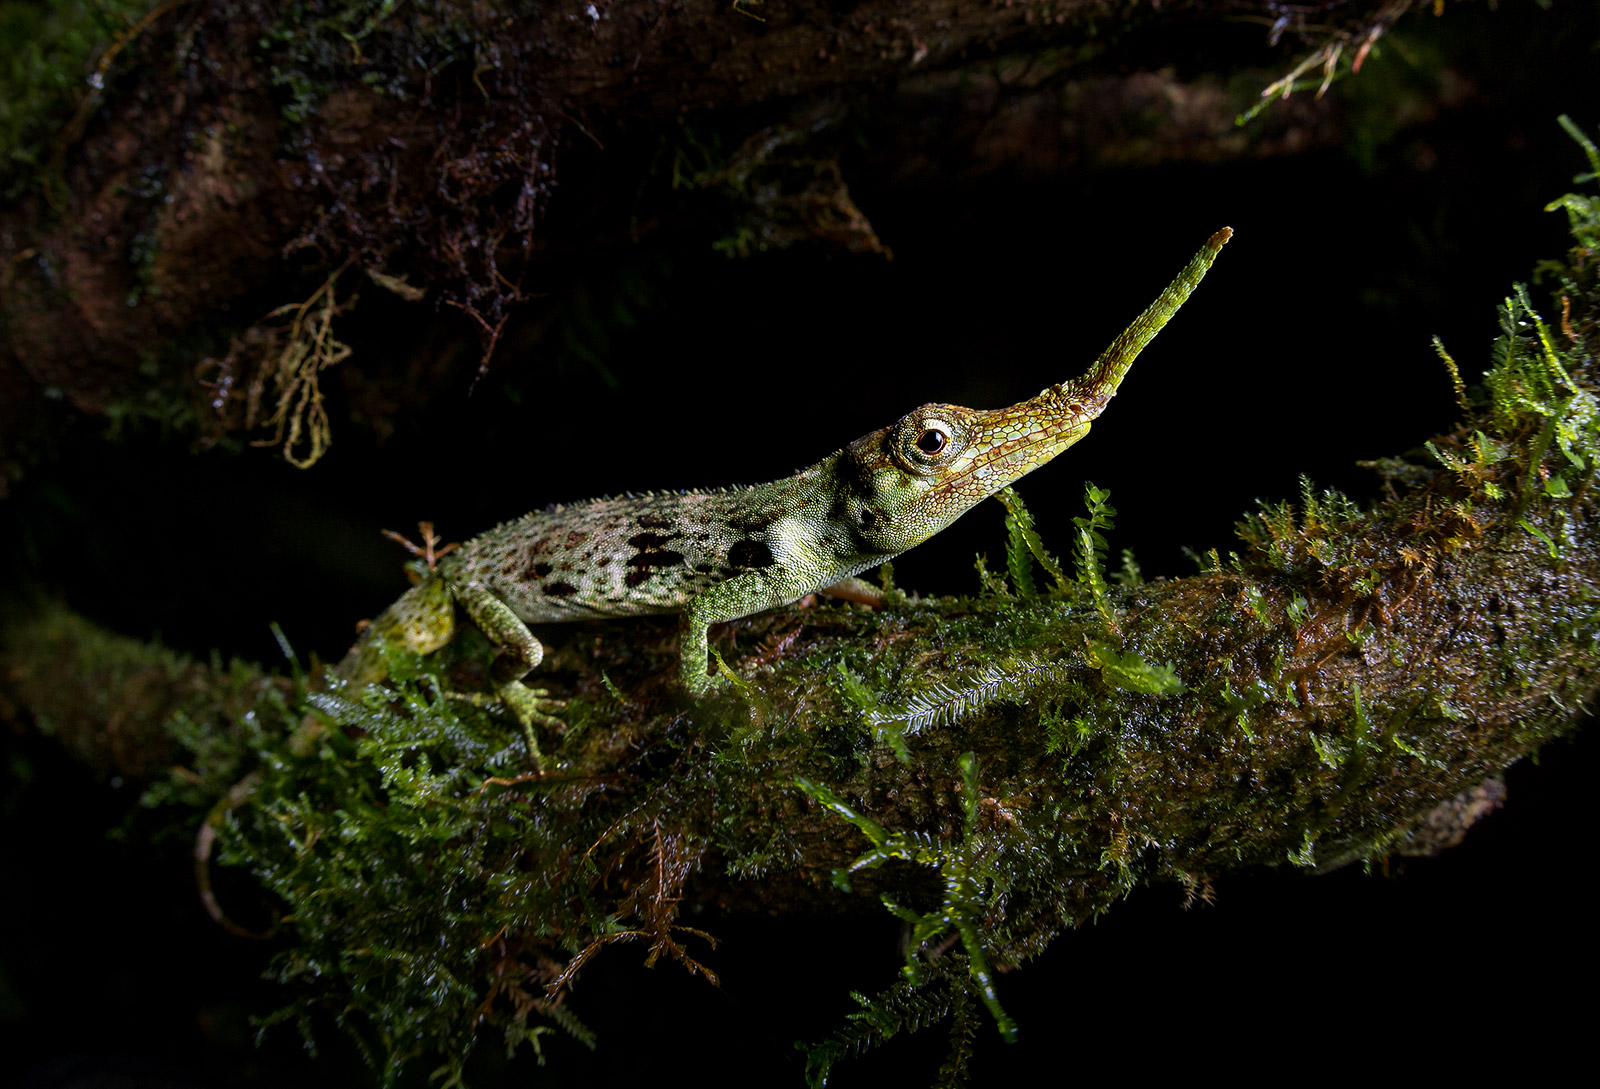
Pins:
x,y
531,706
723,680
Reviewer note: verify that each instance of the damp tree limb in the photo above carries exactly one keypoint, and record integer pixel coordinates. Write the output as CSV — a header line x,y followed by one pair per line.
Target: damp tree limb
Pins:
x,y
992,770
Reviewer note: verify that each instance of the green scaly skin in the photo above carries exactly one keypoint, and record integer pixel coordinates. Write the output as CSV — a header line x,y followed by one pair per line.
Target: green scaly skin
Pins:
x,y
716,556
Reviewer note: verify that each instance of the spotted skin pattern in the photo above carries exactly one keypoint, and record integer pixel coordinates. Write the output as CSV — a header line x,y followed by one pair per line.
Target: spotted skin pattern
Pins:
x,y
716,556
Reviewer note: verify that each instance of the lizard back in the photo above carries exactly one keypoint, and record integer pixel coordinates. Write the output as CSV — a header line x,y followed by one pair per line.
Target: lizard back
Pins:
x,y
631,555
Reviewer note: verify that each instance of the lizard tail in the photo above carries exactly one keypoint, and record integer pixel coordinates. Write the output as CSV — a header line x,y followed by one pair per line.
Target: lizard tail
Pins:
x,y
205,842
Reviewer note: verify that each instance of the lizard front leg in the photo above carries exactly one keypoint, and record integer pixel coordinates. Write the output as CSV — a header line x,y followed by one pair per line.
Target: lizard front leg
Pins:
x,y
694,656
520,653
739,596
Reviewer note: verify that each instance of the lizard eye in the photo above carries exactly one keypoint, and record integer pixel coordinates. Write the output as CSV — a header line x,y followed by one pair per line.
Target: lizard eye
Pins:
x,y
929,440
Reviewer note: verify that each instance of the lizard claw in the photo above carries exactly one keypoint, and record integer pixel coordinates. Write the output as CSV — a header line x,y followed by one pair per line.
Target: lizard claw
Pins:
x,y
529,706
724,679
532,706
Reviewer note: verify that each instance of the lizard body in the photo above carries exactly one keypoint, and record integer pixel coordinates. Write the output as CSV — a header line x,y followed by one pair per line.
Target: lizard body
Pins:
x,y
719,555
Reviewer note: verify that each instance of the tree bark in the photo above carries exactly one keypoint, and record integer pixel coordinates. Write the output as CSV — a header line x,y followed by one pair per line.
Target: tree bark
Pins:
x,y
240,153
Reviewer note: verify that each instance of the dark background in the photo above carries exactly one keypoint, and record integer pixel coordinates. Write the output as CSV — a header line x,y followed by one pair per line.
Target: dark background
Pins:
x,y
1306,349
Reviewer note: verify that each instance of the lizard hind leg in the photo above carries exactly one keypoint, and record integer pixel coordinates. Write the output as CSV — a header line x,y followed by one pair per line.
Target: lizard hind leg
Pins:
x,y
421,622
520,653
857,590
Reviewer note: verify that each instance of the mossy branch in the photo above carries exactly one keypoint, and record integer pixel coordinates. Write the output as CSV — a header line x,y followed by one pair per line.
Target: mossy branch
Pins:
x,y
1323,698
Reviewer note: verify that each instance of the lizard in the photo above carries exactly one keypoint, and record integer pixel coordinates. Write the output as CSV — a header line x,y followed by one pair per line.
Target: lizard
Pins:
x,y
713,556
720,555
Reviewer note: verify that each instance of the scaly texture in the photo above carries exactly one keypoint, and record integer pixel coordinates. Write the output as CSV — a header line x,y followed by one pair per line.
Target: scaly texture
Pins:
x,y
717,556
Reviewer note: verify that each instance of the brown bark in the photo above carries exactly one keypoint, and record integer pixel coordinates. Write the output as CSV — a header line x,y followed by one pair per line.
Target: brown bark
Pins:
x,y
198,198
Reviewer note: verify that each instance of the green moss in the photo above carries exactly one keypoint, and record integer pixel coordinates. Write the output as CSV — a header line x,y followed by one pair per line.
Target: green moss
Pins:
x,y
127,707
313,46
972,879
49,52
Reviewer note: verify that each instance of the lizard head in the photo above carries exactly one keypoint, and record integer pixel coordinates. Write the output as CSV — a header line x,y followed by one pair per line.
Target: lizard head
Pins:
x,y
919,475
912,479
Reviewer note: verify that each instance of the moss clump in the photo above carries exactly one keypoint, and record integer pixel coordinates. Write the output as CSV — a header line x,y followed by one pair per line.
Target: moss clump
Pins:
x,y
129,708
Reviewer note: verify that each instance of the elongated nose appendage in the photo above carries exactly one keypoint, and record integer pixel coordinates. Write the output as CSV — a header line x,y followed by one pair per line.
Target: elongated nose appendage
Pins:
x,y
966,455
